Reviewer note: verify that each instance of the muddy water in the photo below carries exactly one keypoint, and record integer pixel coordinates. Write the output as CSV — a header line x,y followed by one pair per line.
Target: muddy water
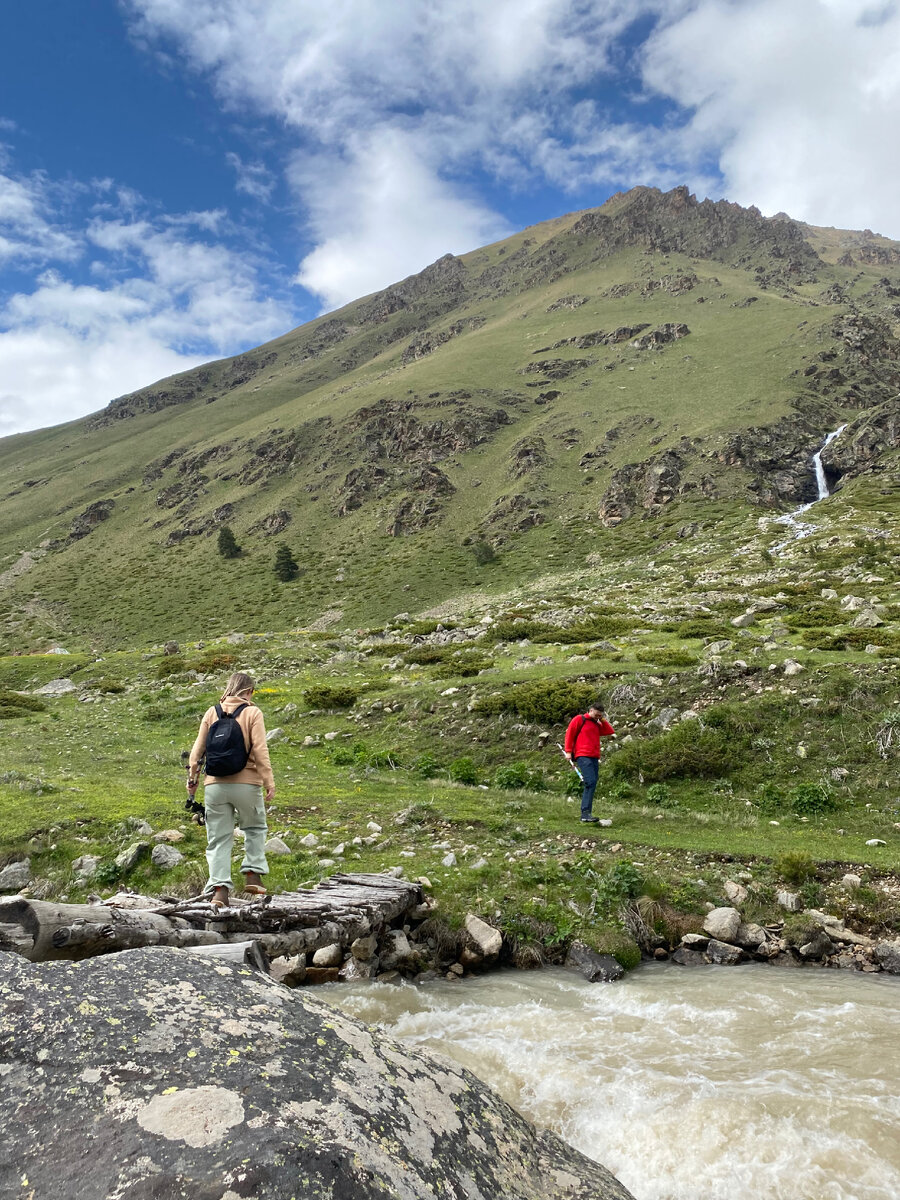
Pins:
x,y
746,1083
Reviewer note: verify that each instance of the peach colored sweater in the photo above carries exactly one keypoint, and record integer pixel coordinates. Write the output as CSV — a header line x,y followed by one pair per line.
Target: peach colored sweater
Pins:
x,y
258,769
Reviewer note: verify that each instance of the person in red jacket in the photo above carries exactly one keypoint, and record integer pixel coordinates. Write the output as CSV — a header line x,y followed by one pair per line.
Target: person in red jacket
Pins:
x,y
582,749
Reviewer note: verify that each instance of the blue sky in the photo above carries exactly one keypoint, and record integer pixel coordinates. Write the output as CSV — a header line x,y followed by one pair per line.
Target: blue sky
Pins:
x,y
183,179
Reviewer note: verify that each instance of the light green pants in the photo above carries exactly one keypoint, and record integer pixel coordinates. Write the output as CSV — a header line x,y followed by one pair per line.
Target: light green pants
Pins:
x,y
227,805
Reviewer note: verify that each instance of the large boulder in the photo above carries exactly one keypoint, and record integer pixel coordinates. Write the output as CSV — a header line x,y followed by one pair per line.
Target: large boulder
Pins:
x,y
596,968
723,923
173,1074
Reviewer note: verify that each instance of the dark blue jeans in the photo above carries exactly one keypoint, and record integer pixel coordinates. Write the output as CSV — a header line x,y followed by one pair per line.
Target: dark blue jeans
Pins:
x,y
590,769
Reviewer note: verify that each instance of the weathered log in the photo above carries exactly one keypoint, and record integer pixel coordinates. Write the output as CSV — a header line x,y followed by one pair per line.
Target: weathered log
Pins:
x,y
338,910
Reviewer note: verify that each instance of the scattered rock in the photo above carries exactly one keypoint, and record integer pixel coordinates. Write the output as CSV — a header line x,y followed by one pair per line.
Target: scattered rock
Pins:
x,y
363,948
851,881
15,876
723,954
56,687
449,860
309,841
723,924
289,970
876,842
169,835
744,620
85,867
277,847
790,901
485,939
735,892
888,955
395,950
328,956
166,857
132,855
596,968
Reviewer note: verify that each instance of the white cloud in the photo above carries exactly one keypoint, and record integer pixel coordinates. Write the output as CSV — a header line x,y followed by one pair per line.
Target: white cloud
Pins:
x,y
253,179
799,103
164,295
381,214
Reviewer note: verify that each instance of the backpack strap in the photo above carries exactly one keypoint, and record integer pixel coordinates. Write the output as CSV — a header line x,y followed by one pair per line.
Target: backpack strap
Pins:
x,y
240,708
220,711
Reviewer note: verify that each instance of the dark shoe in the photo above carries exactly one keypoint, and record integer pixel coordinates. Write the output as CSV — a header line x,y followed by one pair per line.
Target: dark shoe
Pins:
x,y
590,820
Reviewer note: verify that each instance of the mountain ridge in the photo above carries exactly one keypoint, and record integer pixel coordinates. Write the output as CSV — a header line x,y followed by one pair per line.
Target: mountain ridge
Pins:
x,y
658,357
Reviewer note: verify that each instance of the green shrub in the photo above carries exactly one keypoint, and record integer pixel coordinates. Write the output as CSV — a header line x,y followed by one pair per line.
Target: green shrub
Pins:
x,y
771,799
285,566
517,631
427,766
213,660
343,756
795,866
571,784
685,752
666,656
422,656
545,702
519,775
812,799
661,794
226,543
619,883
463,770
13,704
325,695
173,664
700,627
484,553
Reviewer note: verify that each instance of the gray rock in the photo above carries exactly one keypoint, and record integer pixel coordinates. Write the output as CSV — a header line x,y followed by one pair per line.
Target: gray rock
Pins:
x,y
851,881
723,923
396,950
354,969
664,719
686,957
309,841
722,954
717,648
289,969
141,827
131,856
186,1116
596,968
751,936
818,946
744,620
486,940
15,876
735,892
790,901
888,955
275,735
85,867
166,857
792,667
364,947
867,619
876,842
328,956
694,941
56,687
276,846
449,860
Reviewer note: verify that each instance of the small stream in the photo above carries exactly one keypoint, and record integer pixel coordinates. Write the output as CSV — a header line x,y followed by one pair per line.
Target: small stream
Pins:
x,y
709,1083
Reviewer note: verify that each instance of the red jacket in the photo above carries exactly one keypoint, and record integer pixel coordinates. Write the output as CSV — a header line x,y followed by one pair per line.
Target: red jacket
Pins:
x,y
589,732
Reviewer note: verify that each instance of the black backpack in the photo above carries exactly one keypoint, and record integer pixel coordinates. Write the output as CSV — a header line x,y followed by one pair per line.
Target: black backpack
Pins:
x,y
226,751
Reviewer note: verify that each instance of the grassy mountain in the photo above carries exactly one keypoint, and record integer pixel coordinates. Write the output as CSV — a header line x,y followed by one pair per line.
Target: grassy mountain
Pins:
x,y
625,390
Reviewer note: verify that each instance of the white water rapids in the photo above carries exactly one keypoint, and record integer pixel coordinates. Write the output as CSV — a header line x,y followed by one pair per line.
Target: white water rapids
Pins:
x,y
708,1083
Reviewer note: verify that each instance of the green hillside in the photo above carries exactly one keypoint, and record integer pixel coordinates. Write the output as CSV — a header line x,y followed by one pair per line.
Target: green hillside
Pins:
x,y
633,384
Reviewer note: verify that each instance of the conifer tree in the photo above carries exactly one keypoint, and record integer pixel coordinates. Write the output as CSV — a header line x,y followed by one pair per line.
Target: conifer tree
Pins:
x,y
286,566
227,543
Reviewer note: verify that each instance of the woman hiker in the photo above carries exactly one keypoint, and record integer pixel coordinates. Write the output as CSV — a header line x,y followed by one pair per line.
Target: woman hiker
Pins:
x,y
582,749
239,782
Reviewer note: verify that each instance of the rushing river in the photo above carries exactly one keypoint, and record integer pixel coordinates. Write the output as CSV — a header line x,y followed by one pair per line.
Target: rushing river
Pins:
x,y
708,1083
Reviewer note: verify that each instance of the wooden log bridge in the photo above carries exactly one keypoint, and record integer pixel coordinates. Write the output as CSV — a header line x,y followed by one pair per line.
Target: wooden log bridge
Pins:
x,y
337,911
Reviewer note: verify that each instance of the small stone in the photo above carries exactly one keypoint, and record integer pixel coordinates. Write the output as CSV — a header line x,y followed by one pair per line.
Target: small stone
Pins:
x,y
309,841
363,948
457,969
723,923
605,823
275,735
792,667
339,850
131,856
722,954
689,958
56,687
328,956
695,941
790,901
85,867
169,835
817,947
479,864
888,955
851,881
15,876
166,857
875,842
311,740
373,827
744,620
449,860
395,950
735,892
288,970
485,939
277,847
751,936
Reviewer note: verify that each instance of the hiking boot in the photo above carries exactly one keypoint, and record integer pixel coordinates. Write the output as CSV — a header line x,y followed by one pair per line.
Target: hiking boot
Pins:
x,y
590,820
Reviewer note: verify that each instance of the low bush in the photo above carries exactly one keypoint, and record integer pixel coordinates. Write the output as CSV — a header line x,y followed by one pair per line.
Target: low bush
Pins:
x,y
426,766
325,695
14,704
545,702
173,664
661,795
795,866
463,770
519,775
812,799
685,752
666,656
517,631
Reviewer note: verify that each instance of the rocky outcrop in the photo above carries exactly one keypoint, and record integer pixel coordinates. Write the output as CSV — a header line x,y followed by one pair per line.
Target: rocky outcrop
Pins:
x,y
513,514
272,524
556,368
172,1074
670,332
416,512
391,431
426,343
527,455
86,522
649,486
862,446
600,338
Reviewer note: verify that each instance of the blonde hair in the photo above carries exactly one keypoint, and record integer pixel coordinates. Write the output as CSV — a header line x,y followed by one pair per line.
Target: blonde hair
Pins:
x,y
238,684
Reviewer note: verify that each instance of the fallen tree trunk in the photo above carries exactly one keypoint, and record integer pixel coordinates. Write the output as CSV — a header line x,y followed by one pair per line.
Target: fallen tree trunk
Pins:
x,y
338,910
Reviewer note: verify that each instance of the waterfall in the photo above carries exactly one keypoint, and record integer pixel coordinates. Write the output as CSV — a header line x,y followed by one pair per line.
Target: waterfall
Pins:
x,y
798,528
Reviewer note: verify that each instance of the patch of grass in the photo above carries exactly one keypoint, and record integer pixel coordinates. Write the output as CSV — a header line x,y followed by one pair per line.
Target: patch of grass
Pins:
x,y
330,696
547,703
